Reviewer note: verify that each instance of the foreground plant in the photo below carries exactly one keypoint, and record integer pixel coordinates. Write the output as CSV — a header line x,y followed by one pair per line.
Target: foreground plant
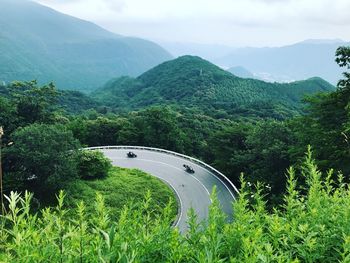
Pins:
x,y
313,225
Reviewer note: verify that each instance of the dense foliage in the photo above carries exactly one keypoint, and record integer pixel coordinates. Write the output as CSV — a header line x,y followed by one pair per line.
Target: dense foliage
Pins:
x,y
261,151
313,225
41,158
93,164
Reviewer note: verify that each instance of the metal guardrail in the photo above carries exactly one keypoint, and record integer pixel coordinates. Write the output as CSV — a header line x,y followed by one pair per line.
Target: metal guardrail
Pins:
x,y
229,185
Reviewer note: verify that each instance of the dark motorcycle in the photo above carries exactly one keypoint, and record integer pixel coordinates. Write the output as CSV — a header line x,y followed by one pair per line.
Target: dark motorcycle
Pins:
x,y
131,155
188,169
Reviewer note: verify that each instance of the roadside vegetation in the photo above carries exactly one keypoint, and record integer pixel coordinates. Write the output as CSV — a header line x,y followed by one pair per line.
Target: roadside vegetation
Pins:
x,y
311,225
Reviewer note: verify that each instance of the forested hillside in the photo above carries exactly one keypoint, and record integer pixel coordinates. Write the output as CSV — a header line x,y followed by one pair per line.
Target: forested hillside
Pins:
x,y
37,42
192,82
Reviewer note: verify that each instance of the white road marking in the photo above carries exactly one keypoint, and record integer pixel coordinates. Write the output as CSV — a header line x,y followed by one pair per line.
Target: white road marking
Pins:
x,y
200,167
178,195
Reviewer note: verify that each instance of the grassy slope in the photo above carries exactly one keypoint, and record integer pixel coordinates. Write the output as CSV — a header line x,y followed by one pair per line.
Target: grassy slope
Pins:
x,y
121,187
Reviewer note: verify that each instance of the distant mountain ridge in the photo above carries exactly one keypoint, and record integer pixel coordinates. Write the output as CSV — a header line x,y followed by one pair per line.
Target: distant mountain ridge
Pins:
x,y
313,57
302,60
192,82
322,41
37,42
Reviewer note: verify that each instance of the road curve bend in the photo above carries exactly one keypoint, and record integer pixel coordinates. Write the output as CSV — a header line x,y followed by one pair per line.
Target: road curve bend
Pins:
x,y
192,190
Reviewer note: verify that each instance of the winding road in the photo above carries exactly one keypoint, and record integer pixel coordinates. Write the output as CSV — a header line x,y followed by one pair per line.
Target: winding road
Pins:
x,y
192,190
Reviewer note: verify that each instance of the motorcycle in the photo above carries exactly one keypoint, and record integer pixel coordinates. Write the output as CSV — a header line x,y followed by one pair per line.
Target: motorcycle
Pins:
x,y
188,169
131,155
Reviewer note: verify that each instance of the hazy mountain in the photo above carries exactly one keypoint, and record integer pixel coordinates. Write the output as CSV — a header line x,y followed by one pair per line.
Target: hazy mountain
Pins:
x,y
241,72
37,42
312,57
192,82
322,41
295,62
207,51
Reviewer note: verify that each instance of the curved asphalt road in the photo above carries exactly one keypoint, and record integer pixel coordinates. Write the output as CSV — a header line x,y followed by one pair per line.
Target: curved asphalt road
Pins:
x,y
193,190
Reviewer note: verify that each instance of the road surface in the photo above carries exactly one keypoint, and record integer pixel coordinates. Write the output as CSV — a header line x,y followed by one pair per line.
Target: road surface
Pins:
x,y
193,190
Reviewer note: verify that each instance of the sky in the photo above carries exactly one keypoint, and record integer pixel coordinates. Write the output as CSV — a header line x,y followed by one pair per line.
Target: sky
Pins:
x,y
224,22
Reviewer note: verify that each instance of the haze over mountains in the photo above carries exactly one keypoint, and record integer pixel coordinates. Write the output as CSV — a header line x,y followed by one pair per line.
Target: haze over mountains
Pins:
x,y
37,42
242,72
299,61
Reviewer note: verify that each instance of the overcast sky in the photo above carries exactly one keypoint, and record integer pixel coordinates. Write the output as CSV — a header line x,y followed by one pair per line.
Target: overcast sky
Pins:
x,y
227,22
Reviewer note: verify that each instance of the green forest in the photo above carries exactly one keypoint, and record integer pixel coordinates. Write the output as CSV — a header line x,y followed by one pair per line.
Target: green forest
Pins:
x,y
287,152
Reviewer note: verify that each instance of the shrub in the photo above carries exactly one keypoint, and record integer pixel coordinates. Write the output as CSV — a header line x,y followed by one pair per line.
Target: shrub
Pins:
x,y
93,164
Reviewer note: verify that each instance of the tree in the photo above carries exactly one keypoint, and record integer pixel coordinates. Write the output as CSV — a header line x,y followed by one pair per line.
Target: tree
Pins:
x,y
33,103
1,185
260,151
326,126
93,164
8,117
343,60
227,147
267,154
158,127
102,131
42,157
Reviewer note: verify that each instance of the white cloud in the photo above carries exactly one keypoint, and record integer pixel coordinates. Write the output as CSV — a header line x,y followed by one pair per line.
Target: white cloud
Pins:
x,y
271,22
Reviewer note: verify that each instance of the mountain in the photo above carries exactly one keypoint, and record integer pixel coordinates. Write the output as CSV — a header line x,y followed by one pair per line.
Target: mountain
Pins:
x,y
323,41
294,62
37,42
241,72
193,83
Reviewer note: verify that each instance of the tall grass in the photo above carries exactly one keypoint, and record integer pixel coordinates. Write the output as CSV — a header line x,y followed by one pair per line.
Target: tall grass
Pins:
x,y
313,225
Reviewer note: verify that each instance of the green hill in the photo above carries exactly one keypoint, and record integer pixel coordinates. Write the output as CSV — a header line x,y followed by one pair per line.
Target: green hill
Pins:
x,y
192,82
37,42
